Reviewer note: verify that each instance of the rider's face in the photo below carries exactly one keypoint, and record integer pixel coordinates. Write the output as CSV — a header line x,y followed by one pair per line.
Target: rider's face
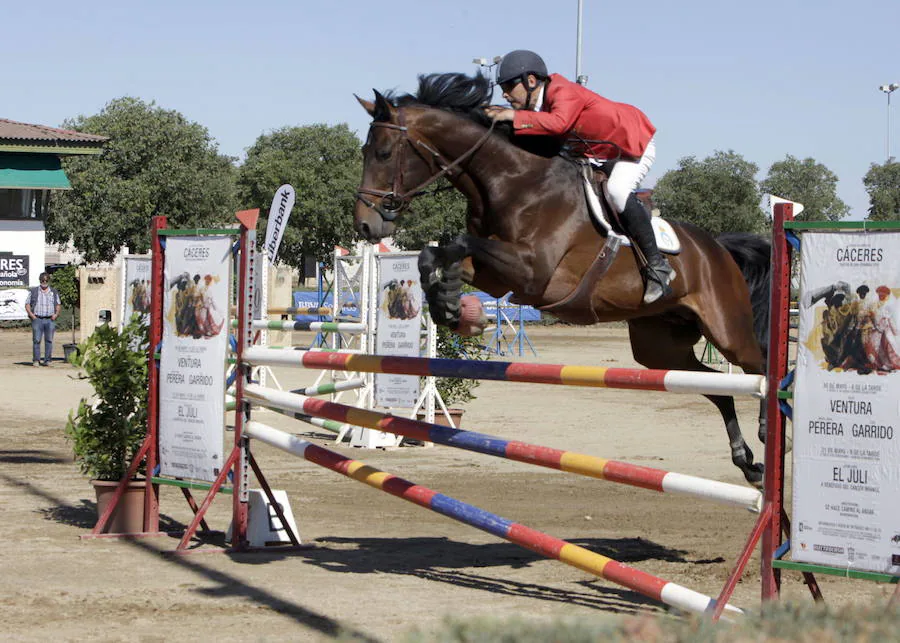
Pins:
x,y
516,95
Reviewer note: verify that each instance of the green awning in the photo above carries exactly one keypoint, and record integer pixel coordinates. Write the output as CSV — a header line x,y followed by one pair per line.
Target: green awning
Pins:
x,y
32,171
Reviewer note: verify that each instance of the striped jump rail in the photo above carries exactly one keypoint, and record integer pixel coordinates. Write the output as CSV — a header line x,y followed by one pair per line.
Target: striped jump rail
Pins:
x,y
331,387
327,388
325,327
543,544
593,376
568,461
328,425
294,310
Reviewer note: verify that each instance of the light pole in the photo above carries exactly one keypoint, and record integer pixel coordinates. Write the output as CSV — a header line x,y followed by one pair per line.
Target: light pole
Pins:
x,y
889,89
579,78
484,64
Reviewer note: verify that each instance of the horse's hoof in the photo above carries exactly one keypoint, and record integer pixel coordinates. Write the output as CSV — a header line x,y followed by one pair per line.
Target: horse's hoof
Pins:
x,y
472,320
754,475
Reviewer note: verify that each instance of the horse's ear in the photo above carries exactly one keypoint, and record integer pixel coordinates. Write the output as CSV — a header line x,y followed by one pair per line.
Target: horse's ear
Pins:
x,y
383,109
367,105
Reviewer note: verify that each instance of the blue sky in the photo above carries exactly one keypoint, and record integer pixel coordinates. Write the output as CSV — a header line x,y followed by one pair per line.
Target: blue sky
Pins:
x,y
762,78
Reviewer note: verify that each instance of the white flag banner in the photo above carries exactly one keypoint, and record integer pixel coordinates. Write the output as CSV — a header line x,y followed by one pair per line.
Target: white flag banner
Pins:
x,y
279,213
846,417
192,366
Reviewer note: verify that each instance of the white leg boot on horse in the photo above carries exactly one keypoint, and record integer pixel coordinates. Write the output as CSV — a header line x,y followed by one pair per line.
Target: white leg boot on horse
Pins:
x,y
657,272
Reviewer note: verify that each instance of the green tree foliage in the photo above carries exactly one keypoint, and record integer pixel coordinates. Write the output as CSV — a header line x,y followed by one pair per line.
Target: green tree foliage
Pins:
x,y
439,215
155,163
809,183
65,280
883,185
324,165
719,193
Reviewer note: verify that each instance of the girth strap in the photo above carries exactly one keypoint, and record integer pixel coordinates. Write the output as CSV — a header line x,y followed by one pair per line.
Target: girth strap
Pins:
x,y
580,297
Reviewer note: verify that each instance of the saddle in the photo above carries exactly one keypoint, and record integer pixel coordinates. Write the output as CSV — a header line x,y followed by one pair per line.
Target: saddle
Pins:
x,y
606,217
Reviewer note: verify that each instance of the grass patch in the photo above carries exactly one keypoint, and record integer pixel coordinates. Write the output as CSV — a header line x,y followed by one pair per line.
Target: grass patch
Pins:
x,y
777,622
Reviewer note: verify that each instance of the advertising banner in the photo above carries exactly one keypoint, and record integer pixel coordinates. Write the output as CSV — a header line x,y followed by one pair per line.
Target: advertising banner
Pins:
x,y
14,280
192,367
398,327
279,213
846,449
137,288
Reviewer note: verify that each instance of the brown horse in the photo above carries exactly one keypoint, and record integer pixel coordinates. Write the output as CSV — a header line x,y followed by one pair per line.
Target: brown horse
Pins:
x,y
530,232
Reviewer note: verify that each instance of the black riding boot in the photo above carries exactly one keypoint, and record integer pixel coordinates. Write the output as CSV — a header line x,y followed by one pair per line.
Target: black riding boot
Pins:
x,y
658,274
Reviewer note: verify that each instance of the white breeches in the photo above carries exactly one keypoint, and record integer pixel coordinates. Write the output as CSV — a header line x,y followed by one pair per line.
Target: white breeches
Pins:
x,y
627,176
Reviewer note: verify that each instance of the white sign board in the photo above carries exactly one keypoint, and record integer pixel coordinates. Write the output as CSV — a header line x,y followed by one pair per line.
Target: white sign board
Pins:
x,y
137,288
846,458
398,327
192,366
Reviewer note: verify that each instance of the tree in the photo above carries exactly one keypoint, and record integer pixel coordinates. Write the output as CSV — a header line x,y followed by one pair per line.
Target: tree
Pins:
x,y
809,183
718,194
439,216
324,165
155,163
883,185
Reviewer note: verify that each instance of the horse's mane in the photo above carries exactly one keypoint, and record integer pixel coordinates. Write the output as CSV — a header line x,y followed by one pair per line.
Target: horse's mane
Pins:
x,y
467,95
453,92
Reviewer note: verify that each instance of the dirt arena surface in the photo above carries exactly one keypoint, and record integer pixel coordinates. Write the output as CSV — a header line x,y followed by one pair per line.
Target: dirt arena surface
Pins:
x,y
380,566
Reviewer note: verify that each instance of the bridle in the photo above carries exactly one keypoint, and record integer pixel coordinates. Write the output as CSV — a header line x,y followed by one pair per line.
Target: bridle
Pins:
x,y
394,201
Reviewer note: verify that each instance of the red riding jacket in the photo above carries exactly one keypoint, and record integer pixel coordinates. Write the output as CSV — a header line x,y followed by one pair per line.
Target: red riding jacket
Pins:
x,y
572,110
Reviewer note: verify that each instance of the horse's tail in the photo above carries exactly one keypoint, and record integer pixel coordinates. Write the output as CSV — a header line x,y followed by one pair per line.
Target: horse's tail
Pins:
x,y
752,253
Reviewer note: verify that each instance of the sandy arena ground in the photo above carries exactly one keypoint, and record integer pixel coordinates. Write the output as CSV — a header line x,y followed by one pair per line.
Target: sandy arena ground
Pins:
x,y
379,565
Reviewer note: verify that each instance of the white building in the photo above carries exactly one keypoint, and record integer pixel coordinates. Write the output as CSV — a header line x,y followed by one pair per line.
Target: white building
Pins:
x,y
29,168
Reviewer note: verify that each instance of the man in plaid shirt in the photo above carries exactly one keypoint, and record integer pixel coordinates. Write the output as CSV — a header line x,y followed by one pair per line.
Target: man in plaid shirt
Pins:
x,y
43,308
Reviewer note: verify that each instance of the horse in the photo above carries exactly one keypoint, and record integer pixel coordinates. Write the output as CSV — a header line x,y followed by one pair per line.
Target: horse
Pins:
x,y
529,231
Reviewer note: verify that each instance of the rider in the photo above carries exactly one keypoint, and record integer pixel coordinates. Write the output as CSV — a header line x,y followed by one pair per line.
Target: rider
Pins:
x,y
549,104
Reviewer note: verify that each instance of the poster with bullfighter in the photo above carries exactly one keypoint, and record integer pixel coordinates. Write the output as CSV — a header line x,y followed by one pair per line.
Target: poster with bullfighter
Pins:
x,y
846,423
192,366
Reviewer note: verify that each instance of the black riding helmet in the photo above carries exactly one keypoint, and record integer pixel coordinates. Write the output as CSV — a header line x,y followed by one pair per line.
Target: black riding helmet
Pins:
x,y
516,65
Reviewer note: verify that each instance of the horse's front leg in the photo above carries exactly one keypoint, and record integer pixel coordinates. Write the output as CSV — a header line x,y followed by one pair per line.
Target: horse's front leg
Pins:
x,y
443,271
442,283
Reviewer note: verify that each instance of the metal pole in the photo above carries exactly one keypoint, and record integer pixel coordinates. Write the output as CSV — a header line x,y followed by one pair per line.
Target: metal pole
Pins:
x,y
888,89
888,142
581,80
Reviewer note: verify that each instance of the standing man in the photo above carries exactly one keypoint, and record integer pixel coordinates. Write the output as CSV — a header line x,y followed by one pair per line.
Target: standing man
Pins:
x,y
43,308
550,105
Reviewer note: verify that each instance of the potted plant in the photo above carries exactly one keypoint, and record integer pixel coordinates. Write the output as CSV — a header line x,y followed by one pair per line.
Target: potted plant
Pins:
x,y
65,280
107,430
455,390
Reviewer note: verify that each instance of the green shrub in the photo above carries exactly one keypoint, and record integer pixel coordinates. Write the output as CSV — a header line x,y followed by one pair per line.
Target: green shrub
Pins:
x,y
455,390
108,430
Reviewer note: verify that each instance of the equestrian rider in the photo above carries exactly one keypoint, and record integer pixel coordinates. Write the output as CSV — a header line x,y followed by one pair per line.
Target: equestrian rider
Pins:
x,y
549,104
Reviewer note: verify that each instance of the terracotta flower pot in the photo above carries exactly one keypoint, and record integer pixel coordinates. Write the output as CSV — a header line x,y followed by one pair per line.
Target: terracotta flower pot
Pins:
x,y
128,516
440,418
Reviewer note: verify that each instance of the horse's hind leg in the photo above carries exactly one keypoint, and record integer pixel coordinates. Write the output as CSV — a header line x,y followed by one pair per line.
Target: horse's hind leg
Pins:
x,y
736,341
669,344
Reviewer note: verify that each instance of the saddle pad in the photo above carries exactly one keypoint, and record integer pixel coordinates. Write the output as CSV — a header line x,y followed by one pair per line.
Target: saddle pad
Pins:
x,y
666,239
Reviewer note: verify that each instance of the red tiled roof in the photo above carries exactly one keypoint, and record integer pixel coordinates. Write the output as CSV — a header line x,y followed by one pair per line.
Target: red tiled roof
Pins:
x,y
13,130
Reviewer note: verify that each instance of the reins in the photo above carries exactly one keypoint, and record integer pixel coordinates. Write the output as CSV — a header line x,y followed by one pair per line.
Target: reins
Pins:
x,y
392,202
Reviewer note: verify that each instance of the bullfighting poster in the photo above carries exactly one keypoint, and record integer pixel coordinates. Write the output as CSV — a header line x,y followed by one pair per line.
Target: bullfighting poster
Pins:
x,y
136,290
846,458
192,367
398,328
